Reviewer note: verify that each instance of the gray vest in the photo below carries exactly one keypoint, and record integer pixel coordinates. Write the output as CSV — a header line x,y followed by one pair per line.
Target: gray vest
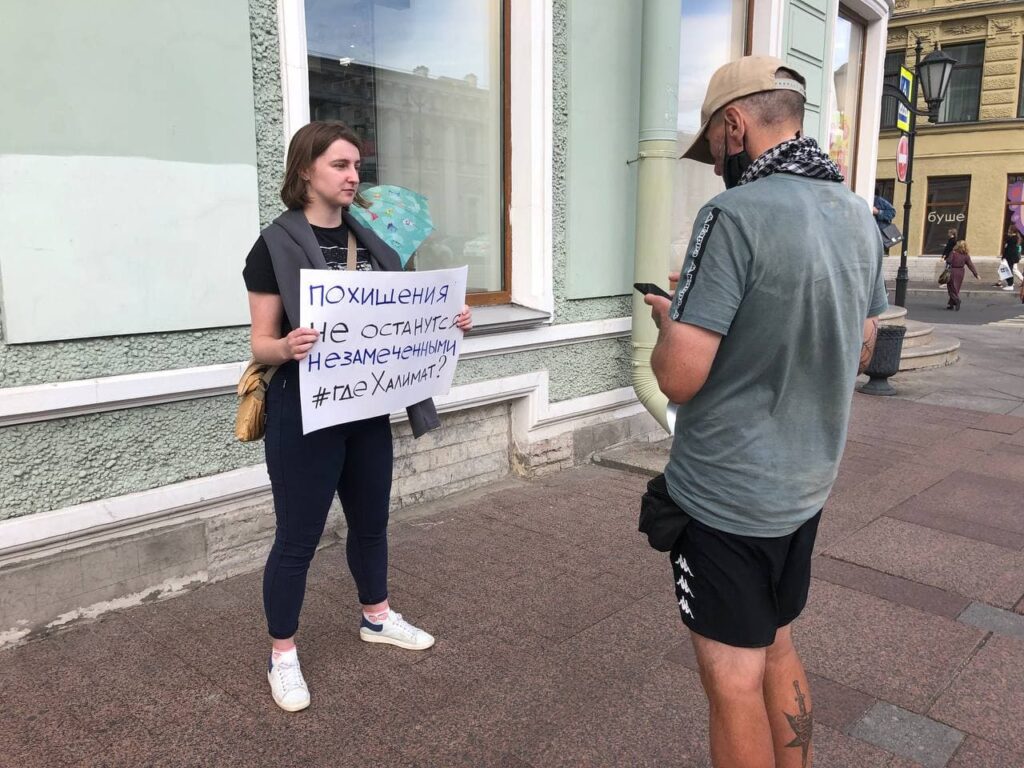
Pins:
x,y
293,246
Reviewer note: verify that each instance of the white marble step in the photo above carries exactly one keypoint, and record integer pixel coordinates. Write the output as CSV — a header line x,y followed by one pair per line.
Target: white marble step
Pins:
x,y
943,350
893,316
918,334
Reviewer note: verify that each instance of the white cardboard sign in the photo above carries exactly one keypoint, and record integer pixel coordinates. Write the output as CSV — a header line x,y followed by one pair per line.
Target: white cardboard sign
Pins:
x,y
387,340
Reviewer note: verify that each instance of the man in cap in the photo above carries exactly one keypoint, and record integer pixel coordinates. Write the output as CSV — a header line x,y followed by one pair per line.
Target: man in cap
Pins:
x,y
774,316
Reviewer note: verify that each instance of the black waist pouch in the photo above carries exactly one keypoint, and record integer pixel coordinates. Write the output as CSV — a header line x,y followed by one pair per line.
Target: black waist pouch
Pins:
x,y
660,518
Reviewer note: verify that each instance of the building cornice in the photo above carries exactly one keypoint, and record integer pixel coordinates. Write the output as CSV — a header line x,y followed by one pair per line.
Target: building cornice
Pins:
x,y
904,17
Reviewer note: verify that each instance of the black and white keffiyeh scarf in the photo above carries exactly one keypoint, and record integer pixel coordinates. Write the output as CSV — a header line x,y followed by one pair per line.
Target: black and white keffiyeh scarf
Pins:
x,y
800,157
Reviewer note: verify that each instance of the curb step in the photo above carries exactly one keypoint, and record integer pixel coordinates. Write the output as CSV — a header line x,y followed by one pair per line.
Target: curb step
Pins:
x,y
639,458
918,334
943,350
894,315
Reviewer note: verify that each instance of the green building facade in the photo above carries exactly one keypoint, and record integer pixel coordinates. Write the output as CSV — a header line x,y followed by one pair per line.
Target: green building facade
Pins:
x,y
142,150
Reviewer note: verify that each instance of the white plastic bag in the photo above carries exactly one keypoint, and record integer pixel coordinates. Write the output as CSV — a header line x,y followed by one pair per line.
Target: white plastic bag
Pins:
x,y
1004,271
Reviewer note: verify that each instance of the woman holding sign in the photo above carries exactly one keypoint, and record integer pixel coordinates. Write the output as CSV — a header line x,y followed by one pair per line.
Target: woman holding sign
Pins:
x,y
354,459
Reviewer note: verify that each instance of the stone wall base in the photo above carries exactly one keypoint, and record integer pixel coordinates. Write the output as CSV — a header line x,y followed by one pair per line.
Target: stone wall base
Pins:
x,y
45,589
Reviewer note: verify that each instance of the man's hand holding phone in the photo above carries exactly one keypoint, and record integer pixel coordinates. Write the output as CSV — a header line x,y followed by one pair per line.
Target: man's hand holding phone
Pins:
x,y
657,298
651,288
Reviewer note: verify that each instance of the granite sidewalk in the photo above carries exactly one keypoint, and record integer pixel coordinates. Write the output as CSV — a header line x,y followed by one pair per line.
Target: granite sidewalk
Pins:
x,y
559,642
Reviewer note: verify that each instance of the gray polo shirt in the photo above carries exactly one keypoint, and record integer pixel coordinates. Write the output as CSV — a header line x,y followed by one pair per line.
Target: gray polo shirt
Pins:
x,y
787,269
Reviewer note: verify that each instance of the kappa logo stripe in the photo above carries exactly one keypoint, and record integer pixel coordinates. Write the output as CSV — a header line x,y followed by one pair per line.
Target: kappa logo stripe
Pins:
x,y
693,266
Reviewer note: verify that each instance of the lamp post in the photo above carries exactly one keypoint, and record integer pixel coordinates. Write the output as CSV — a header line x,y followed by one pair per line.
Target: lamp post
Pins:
x,y
933,74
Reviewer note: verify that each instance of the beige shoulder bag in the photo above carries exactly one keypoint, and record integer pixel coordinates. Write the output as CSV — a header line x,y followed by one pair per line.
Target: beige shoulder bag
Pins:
x,y
251,419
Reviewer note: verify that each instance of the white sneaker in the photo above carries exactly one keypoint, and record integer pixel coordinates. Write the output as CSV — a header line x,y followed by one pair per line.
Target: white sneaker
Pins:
x,y
1008,288
286,682
395,630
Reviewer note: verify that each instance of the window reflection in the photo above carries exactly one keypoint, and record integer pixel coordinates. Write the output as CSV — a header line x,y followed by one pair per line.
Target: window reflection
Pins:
x,y
847,76
421,84
711,33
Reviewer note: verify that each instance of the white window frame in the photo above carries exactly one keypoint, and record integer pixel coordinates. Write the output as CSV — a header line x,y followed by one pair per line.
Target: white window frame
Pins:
x,y
767,40
530,113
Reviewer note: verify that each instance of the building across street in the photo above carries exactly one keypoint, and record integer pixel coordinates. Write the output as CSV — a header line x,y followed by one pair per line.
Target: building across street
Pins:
x,y
967,163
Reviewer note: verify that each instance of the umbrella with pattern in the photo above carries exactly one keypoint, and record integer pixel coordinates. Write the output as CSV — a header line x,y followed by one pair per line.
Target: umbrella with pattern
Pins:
x,y
399,216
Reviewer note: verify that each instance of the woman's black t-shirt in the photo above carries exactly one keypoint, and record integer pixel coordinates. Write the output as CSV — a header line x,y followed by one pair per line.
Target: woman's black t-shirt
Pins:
x,y
259,270
1010,252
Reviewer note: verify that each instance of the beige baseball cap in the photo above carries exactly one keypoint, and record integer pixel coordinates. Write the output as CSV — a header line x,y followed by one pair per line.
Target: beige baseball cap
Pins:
x,y
743,77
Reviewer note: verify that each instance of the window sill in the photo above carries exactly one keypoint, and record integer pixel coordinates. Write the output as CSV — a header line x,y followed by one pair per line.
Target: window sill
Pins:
x,y
501,318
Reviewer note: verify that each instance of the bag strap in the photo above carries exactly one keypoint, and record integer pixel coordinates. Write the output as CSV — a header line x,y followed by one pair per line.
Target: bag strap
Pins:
x,y
269,374
352,251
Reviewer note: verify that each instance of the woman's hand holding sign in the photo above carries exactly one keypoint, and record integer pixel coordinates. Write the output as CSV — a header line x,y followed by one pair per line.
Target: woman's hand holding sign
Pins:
x,y
465,318
299,342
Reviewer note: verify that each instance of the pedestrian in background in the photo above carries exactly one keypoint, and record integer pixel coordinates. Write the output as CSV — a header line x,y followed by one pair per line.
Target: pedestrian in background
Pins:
x,y
1011,255
353,460
959,258
775,314
884,213
950,245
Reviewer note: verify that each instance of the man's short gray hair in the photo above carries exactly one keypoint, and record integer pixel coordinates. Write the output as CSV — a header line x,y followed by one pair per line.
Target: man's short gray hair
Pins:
x,y
773,108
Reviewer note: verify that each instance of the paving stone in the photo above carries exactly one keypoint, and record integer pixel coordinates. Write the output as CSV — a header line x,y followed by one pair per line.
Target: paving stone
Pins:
x,y
1007,425
994,619
891,652
914,512
854,507
833,749
979,440
903,762
993,503
836,705
987,697
975,569
908,734
977,753
892,588
575,656
668,700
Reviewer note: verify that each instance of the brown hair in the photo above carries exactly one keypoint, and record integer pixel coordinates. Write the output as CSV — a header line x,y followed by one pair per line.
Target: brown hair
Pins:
x,y
308,143
961,247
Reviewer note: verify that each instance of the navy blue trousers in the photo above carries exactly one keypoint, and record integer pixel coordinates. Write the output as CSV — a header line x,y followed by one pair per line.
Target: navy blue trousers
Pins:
x,y
353,460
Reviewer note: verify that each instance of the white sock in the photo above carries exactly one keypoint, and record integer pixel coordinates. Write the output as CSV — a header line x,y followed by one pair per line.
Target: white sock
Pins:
x,y
376,618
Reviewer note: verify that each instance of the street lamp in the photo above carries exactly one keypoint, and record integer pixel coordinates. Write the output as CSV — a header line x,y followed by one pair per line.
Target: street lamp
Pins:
x,y
933,74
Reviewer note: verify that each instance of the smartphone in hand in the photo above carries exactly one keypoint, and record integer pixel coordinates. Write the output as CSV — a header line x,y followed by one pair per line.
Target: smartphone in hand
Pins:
x,y
646,288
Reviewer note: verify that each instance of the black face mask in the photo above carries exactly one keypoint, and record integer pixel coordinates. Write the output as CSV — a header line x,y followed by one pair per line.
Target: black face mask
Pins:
x,y
736,165
734,168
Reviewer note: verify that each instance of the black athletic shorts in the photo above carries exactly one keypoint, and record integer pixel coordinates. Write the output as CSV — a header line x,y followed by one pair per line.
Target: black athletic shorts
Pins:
x,y
739,589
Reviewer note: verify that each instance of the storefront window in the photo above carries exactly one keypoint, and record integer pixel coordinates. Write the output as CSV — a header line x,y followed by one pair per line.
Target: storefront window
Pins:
x,y
422,83
847,75
1014,215
717,30
946,209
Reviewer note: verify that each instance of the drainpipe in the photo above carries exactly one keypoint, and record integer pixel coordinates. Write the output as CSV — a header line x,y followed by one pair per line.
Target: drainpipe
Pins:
x,y
657,158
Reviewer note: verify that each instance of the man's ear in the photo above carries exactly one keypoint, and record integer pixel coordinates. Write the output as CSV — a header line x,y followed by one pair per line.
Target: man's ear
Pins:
x,y
735,129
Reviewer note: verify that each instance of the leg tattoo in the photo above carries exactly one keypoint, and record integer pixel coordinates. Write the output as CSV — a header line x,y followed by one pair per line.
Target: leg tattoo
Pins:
x,y
802,725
